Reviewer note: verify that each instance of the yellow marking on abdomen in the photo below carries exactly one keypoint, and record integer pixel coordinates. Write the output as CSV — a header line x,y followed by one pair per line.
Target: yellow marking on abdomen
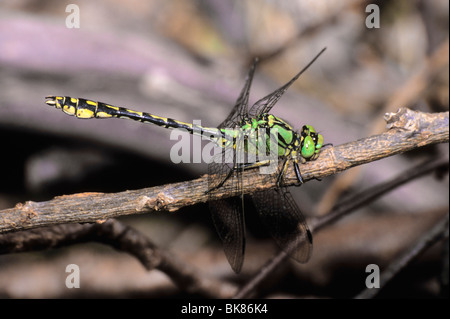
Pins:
x,y
112,107
85,114
91,102
68,109
135,112
103,114
159,117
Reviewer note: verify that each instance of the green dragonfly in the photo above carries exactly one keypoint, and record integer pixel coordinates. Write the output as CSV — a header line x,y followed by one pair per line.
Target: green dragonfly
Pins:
x,y
277,209
236,137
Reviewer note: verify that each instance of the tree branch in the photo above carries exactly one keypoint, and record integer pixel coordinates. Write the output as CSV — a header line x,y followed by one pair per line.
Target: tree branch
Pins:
x,y
346,206
407,130
123,238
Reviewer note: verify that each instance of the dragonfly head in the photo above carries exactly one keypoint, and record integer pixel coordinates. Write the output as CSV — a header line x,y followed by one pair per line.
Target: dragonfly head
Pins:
x,y
311,143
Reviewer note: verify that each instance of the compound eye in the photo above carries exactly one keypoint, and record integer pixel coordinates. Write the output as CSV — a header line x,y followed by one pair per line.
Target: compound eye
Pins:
x,y
319,142
308,147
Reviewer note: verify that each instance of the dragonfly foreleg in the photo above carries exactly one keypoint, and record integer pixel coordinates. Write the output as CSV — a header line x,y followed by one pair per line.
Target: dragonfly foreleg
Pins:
x,y
283,172
297,173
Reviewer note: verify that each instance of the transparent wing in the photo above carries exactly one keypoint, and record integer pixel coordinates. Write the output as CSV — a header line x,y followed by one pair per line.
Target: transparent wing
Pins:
x,y
240,108
229,223
227,214
285,222
265,104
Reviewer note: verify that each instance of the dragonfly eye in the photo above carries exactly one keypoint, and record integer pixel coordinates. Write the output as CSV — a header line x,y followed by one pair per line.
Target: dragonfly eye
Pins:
x,y
308,147
318,142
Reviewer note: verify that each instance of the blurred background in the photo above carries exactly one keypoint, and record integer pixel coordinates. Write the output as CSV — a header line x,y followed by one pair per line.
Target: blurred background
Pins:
x,y
187,59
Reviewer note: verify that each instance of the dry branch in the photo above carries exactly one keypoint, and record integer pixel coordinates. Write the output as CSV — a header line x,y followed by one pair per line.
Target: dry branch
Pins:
x,y
407,130
344,207
122,238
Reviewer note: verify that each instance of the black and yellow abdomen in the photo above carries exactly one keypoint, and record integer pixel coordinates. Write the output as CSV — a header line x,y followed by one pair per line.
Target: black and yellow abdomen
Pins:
x,y
86,109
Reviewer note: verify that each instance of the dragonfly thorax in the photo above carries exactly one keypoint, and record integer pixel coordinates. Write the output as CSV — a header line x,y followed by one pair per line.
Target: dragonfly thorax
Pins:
x,y
306,143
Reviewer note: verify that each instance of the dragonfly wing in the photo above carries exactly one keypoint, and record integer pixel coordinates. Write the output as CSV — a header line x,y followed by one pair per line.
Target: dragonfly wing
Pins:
x,y
265,104
285,222
227,214
228,219
240,108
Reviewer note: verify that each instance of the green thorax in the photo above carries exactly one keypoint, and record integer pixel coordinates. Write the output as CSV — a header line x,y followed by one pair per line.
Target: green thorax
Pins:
x,y
307,143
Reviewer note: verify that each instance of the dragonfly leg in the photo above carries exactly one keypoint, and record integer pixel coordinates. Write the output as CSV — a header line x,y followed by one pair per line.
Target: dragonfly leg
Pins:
x,y
283,172
298,174
255,165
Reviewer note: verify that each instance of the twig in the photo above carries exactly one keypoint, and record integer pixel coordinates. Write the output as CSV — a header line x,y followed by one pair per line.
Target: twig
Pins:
x,y
346,206
407,130
360,199
406,94
426,241
123,238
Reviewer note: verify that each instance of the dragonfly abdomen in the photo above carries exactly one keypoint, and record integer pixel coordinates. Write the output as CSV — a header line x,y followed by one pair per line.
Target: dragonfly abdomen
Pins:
x,y
86,109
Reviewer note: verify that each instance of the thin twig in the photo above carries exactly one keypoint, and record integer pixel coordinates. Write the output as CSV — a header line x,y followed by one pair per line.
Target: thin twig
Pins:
x,y
360,199
426,241
407,130
123,238
406,94
346,206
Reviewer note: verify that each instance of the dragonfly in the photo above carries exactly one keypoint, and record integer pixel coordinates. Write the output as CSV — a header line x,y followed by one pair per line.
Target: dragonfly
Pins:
x,y
277,209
